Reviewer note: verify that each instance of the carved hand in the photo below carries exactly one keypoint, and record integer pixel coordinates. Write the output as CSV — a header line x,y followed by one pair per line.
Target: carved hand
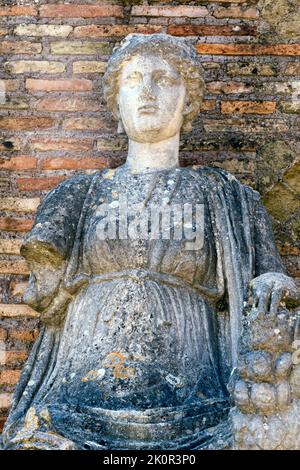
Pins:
x,y
268,290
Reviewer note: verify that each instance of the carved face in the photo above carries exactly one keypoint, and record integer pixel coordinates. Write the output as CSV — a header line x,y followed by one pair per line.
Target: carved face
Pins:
x,y
151,99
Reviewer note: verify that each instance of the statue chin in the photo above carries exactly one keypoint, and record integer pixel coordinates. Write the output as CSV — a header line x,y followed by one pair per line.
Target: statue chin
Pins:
x,y
147,341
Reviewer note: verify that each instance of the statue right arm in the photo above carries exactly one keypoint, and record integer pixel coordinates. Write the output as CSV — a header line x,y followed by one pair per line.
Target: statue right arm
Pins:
x,y
47,247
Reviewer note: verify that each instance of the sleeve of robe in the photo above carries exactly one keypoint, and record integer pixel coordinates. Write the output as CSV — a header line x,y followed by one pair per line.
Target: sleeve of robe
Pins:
x,y
267,258
47,247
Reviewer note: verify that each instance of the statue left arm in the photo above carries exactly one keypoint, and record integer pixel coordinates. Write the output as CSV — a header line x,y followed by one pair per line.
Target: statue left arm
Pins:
x,y
270,285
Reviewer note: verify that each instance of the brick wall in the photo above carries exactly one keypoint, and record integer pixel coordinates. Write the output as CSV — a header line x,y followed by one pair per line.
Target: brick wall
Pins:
x,y
54,123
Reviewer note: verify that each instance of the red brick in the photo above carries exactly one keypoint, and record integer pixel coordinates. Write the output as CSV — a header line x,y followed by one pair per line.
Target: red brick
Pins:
x,y
13,224
248,107
26,336
3,334
2,422
68,104
26,123
211,30
96,31
18,163
38,184
44,145
20,47
207,105
75,84
236,12
80,11
10,247
171,11
4,31
67,163
15,357
9,377
249,49
18,10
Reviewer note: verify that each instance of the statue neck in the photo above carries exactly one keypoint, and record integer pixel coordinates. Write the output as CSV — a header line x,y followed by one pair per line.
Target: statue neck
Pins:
x,y
159,155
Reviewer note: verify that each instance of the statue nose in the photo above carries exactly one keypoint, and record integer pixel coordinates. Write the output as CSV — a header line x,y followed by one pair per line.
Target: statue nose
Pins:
x,y
147,91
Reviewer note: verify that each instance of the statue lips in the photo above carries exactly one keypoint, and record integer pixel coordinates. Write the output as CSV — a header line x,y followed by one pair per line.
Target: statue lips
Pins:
x,y
148,108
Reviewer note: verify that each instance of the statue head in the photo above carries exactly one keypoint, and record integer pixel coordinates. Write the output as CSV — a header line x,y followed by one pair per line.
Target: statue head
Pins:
x,y
154,87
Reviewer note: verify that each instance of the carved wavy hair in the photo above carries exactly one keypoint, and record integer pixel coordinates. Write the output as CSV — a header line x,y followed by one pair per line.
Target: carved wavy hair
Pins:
x,y
175,51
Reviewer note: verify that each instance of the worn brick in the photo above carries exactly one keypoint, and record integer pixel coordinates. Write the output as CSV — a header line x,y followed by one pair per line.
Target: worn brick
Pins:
x,y
74,84
80,11
13,224
17,310
211,30
249,49
228,87
119,143
80,47
9,85
170,11
18,10
207,105
9,377
97,31
67,163
236,12
43,30
251,69
5,400
292,68
34,66
91,66
87,123
31,123
13,267
2,422
20,47
47,144
18,204
3,334
17,164
290,107
4,31
26,336
10,247
248,107
68,104
13,358
17,289
9,145
14,103
38,184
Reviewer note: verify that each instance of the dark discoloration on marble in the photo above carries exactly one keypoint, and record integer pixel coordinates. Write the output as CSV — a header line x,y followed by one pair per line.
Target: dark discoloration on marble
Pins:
x,y
148,344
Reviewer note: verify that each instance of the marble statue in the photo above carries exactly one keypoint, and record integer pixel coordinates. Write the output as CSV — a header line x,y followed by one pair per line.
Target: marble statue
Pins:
x,y
155,338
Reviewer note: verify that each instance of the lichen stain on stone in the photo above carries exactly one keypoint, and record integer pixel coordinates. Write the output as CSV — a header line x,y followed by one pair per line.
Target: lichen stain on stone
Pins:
x,y
115,361
31,424
92,375
44,414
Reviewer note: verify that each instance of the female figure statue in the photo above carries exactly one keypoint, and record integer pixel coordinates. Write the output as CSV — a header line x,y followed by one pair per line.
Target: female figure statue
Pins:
x,y
141,331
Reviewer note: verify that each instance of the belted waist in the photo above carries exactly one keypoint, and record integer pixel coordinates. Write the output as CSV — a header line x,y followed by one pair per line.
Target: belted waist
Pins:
x,y
139,275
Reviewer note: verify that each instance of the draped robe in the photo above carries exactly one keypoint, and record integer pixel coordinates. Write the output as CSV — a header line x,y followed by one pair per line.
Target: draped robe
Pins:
x,y
140,338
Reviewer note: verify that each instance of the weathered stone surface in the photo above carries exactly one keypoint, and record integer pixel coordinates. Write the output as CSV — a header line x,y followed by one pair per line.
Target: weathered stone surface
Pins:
x,y
154,333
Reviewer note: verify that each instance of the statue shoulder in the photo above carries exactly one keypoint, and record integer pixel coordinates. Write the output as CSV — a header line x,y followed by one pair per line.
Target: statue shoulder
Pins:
x,y
225,179
57,218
